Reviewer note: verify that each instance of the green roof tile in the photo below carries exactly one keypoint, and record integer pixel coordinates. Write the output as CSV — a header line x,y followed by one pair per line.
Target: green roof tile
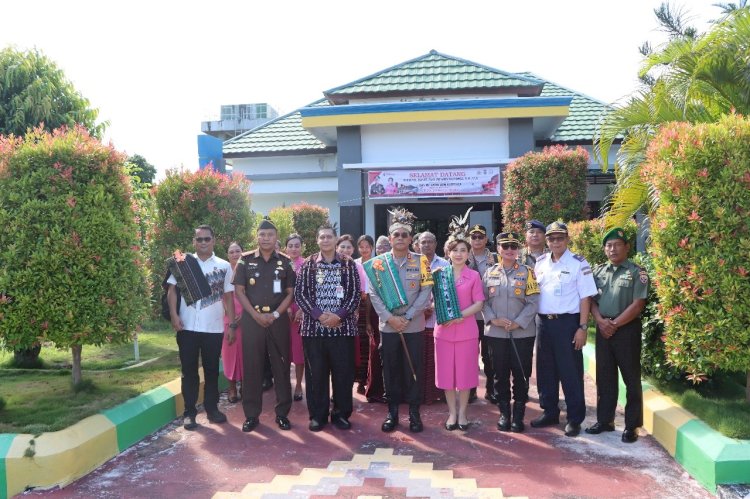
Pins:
x,y
584,113
283,134
433,72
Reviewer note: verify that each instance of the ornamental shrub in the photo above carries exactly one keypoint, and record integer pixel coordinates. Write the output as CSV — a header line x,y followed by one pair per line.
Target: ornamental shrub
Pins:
x,y
307,218
71,270
700,242
586,239
547,186
185,200
283,218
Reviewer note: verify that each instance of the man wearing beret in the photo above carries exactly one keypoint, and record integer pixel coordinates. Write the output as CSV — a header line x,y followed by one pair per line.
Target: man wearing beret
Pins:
x,y
566,284
623,288
264,284
534,243
480,259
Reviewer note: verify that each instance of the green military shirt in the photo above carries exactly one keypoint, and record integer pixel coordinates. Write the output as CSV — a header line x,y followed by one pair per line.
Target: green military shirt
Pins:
x,y
619,286
528,258
258,276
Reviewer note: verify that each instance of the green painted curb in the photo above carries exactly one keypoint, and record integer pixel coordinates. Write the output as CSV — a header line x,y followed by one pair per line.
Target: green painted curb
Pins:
x,y
138,417
6,439
707,455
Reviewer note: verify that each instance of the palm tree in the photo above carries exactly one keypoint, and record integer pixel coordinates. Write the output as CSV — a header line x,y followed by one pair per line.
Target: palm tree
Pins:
x,y
698,79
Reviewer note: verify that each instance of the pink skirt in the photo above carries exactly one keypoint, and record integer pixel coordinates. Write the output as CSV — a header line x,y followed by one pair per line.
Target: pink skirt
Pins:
x,y
456,365
231,355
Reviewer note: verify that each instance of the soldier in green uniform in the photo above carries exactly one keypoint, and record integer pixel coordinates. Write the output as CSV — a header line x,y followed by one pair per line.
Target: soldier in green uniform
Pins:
x,y
623,288
264,285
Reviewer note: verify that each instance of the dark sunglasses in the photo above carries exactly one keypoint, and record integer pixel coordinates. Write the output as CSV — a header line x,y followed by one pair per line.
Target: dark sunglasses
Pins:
x,y
402,235
203,239
477,236
509,246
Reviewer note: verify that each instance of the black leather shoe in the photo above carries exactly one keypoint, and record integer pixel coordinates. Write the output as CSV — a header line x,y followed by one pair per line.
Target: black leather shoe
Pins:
x,y
340,422
315,425
267,384
451,426
598,427
250,424
572,429
545,420
217,417
390,423
283,423
629,436
503,424
491,397
297,397
415,422
464,427
188,422
517,426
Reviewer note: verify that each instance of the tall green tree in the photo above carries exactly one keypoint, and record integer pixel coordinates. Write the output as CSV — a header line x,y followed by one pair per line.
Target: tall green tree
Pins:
x,y
33,90
695,78
143,169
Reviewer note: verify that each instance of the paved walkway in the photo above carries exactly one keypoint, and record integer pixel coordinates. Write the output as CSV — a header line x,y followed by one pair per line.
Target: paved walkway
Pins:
x,y
364,462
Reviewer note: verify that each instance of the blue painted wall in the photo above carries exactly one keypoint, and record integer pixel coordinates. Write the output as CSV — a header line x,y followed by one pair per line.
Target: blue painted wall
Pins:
x,y
210,151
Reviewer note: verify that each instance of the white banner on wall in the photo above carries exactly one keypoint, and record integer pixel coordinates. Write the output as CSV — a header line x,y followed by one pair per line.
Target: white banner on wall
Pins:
x,y
444,182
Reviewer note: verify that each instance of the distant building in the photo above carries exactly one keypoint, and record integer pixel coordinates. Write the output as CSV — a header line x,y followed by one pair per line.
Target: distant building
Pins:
x,y
433,134
234,120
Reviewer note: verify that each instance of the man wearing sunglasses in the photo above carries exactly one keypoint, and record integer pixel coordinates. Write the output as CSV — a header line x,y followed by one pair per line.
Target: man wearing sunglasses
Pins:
x,y
567,284
400,291
200,328
480,259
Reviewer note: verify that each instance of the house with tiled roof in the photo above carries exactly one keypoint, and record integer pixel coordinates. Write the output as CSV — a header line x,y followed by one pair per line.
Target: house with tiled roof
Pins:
x,y
434,134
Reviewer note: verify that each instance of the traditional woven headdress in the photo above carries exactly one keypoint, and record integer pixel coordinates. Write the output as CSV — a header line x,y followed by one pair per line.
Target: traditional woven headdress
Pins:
x,y
401,219
458,229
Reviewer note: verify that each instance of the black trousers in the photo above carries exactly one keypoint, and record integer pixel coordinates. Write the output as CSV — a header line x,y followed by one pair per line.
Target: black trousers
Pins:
x,y
258,341
623,351
505,361
559,363
397,375
484,350
329,361
193,345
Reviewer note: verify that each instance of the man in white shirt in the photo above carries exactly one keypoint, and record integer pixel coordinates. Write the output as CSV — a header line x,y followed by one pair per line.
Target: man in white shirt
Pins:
x,y
200,329
566,283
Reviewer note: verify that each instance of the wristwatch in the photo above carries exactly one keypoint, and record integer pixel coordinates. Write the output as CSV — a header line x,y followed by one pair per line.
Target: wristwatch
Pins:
x,y
232,325
275,314
583,326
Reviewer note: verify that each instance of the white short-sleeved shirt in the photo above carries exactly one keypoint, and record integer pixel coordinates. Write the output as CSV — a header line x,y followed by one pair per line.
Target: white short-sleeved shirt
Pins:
x,y
564,283
207,315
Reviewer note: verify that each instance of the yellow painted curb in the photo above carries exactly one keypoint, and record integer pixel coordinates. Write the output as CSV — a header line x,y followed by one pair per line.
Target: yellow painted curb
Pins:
x,y
60,457
175,387
662,418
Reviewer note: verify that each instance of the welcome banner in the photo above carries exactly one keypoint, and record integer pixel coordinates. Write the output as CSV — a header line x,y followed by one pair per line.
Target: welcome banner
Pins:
x,y
443,182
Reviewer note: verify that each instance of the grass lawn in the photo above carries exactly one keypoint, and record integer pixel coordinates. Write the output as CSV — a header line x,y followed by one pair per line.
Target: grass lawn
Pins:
x,y
42,400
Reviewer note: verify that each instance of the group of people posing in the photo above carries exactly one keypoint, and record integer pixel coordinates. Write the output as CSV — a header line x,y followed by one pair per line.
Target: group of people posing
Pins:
x,y
409,327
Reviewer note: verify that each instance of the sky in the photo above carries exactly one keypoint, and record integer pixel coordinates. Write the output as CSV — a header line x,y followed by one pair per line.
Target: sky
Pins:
x,y
156,69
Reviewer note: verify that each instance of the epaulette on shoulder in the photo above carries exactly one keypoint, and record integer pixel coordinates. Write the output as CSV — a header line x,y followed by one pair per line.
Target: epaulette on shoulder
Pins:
x,y
541,257
252,252
578,257
282,254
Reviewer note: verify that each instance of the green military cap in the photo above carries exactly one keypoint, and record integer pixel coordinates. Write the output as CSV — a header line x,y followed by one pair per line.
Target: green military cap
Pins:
x,y
614,233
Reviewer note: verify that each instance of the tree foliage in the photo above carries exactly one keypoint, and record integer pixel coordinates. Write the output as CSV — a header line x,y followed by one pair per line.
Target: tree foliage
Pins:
x,y
548,185
144,170
71,270
700,242
33,90
307,218
586,239
694,78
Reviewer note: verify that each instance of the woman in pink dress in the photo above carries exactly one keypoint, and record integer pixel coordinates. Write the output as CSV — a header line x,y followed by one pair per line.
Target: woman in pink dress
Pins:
x,y
345,246
232,354
294,252
456,341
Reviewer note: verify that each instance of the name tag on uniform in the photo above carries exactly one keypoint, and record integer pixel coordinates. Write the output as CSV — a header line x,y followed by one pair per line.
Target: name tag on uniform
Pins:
x,y
339,292
558,289
277,286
